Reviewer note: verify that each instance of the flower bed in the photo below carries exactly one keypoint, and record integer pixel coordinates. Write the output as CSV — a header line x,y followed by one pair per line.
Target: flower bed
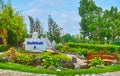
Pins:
x,y
45,59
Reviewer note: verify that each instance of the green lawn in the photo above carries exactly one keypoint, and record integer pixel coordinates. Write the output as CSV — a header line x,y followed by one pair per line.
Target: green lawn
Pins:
x,y
24,68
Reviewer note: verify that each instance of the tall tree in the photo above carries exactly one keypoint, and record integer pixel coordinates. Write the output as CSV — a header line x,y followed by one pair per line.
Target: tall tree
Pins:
x,y
35,25
12,25
90,14
1,4
83,12
111,19
54,31
70,38
3,31
32,24
98,25
39,28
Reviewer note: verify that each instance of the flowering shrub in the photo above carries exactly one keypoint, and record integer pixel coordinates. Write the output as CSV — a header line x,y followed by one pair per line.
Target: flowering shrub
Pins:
x,y
11,54
23,59
48,61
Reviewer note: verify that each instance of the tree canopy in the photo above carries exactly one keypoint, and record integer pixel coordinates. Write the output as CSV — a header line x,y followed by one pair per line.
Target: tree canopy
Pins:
x,y
54,31
35,26
12,26
98,25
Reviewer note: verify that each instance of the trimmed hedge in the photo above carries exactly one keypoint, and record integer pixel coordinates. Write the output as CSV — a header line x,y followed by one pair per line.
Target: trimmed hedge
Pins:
x,y
89,47
67,49
107,48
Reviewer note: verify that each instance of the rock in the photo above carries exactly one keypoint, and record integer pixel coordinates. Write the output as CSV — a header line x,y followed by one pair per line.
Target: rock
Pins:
x,y
62,62
67,64
4,59
54,53
82,57
51,67
77,75
60,44
98,66
115,61
74,60
58,70
36,61
49,50
93,75
39,66
76,66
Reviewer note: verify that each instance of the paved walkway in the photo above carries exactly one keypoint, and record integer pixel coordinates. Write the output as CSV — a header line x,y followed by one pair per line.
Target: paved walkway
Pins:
x,y
17,73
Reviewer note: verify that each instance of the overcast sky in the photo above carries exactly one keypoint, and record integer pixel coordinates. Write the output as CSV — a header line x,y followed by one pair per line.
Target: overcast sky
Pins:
x,y
63,12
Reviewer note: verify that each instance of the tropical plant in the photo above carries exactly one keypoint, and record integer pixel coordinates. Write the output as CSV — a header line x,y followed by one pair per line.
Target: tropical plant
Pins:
x,y
96,62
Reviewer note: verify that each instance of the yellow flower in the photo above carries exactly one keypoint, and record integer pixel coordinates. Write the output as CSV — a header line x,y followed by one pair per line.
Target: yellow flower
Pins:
x,y
43,59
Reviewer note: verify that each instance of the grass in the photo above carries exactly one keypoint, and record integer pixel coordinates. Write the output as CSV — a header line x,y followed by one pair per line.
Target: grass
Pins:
x,y
25,68
21,51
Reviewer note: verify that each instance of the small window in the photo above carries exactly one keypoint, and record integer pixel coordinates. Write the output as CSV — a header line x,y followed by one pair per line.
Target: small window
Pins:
x,y
34,47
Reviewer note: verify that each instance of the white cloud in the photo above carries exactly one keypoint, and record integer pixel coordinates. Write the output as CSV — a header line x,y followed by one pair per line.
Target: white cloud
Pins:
x,y
33,11
37,12
62,15
69,22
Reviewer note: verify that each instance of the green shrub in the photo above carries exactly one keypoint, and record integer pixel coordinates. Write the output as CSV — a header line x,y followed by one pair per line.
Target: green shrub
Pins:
x,y
107,48
116,43
77,50
84,52
61,57
58,47
96,62
3,48
48,61
21,51
25,59
3,58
